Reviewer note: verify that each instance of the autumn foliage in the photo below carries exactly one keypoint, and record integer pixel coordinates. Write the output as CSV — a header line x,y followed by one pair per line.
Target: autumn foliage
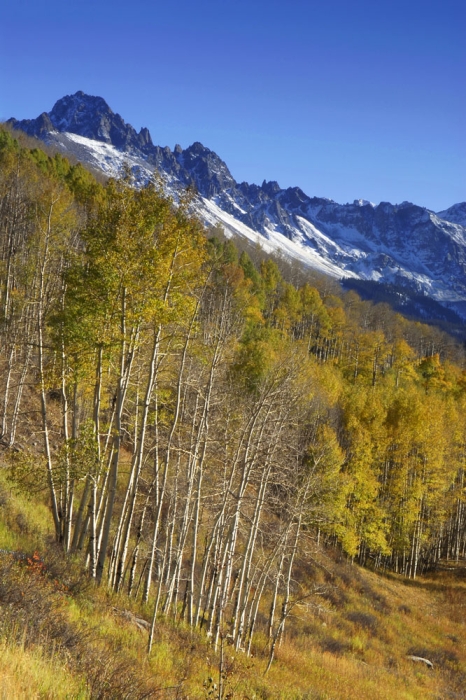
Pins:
x,y
199,421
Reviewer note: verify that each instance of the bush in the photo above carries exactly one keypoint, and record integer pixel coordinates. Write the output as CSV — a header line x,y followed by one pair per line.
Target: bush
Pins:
x,y
334,646
365,621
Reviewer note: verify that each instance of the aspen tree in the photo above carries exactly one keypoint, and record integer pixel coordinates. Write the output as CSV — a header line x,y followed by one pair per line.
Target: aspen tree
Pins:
x,y
53,228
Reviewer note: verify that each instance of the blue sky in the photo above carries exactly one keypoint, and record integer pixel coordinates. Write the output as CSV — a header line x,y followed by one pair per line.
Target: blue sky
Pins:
x,y
346,99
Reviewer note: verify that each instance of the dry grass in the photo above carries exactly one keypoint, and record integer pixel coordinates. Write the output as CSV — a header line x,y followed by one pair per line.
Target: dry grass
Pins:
x,y
60,637
29,674
361,645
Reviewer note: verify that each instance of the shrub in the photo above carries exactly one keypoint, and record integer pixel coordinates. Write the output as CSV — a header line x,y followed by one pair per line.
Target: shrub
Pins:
x,y
334,646
365,621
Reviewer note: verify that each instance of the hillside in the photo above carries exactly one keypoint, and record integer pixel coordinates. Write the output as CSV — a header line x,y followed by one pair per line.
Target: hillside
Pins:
x,y
60,637
189,436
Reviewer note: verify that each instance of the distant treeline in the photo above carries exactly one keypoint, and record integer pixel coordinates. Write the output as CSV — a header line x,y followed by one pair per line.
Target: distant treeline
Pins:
x,y
409,303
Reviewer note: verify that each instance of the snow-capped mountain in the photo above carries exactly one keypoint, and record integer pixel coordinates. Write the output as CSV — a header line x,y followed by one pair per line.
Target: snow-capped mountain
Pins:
x,y
400,244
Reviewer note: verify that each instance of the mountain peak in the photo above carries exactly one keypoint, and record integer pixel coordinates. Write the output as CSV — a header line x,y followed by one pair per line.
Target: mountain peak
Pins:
x,y
207,171
456,214
89,116
197,148
83,114
271,188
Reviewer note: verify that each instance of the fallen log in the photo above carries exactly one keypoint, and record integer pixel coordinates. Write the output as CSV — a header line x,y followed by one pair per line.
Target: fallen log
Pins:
x,y
131,617
420,659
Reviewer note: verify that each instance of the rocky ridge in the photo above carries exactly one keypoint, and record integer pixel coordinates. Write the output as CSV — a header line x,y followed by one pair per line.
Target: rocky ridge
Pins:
x,y
400,244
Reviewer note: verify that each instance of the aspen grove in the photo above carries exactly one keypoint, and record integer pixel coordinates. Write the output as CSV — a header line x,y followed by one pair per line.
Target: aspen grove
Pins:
x,y
199,423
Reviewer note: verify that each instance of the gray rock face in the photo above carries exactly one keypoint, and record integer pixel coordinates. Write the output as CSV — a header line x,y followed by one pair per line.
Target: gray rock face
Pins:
x,y
397,244
204,169
90,117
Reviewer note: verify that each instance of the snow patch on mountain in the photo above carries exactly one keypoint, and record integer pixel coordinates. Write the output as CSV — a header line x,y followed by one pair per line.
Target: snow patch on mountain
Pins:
x,y
104,156
273,243
364,203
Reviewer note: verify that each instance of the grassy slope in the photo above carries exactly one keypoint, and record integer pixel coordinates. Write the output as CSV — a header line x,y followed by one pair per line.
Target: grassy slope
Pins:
x,y
62,638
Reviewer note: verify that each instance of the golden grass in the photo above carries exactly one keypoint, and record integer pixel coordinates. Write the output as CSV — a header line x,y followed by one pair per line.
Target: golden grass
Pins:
x,y
351,641
30,674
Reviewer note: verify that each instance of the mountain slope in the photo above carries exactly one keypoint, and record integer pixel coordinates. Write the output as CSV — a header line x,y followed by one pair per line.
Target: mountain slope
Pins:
x,y
404,245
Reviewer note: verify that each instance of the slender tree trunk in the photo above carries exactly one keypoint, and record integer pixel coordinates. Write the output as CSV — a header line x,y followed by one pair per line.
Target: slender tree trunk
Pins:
x,y
126,359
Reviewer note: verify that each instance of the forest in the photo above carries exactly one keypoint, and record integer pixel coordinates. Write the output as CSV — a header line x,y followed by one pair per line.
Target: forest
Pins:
x,y
199,418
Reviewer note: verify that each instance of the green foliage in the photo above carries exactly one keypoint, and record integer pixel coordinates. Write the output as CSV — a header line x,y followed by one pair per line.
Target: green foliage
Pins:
x,y
229,253
258,352
8,144
80,182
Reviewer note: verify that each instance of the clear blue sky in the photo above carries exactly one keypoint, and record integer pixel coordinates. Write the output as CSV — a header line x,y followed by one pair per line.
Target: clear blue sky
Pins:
x,y
345,98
